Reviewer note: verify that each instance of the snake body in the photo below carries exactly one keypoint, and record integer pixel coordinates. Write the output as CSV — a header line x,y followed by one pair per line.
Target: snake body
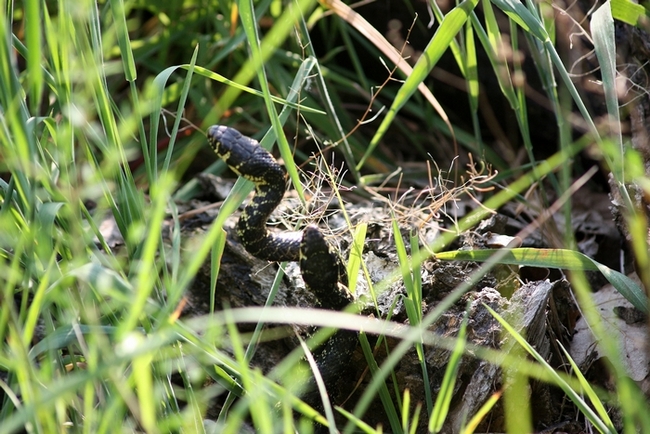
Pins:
x,y
321,268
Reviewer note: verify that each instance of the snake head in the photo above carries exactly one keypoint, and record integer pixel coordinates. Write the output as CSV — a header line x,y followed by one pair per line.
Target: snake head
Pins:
x,y
246,157
222,138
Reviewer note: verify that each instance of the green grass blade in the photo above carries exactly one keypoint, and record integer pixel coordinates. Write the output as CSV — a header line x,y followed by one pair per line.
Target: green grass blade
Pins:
x,y
330,109
280,30
292,13
215,260
404,263
34,43
602,31
443,400
575,397
628,12
359,424
123,40
179,111
522,16
356,250
471,76
533,26
481,413
379,388
146,272
449,28
142,376
198,70
588,390
556,258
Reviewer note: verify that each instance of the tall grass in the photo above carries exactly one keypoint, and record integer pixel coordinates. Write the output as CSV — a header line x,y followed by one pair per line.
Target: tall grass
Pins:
x,y
91,340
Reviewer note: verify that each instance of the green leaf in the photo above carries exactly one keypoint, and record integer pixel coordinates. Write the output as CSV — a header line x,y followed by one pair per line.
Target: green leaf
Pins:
x,y
354,261
449,28
628,12
123,40
574,395
556,258
522,16
602,31
588,390
443,400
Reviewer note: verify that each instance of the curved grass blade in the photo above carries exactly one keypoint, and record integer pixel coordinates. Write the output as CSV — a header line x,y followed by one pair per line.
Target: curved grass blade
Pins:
x,y
575,397
556,258
449,28
275,36
355,20
533,26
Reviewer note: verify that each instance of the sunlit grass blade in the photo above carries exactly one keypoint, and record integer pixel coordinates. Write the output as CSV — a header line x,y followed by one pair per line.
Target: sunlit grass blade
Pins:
x,y
143,380
515,384
147,277
252,345
410,423
34,42
179,113
280,30
443,400
556,258
250,27
413,302
628,12
123,40
358,423
588,390
471,75
162,94
574,395
481,413
404,262
602,31
357,21
356,250
215,260
448,29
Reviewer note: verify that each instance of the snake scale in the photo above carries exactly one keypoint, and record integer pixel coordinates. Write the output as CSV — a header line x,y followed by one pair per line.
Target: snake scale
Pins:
x,y
321,267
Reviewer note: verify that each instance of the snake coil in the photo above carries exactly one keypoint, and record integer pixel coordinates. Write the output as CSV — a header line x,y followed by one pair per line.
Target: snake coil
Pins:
x,y
321,267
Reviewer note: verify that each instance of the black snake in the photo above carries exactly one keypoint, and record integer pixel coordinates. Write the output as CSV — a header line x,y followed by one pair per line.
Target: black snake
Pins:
x,y
321,267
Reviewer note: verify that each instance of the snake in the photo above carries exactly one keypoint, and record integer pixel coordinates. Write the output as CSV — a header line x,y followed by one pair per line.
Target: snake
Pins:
x,y
320,265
